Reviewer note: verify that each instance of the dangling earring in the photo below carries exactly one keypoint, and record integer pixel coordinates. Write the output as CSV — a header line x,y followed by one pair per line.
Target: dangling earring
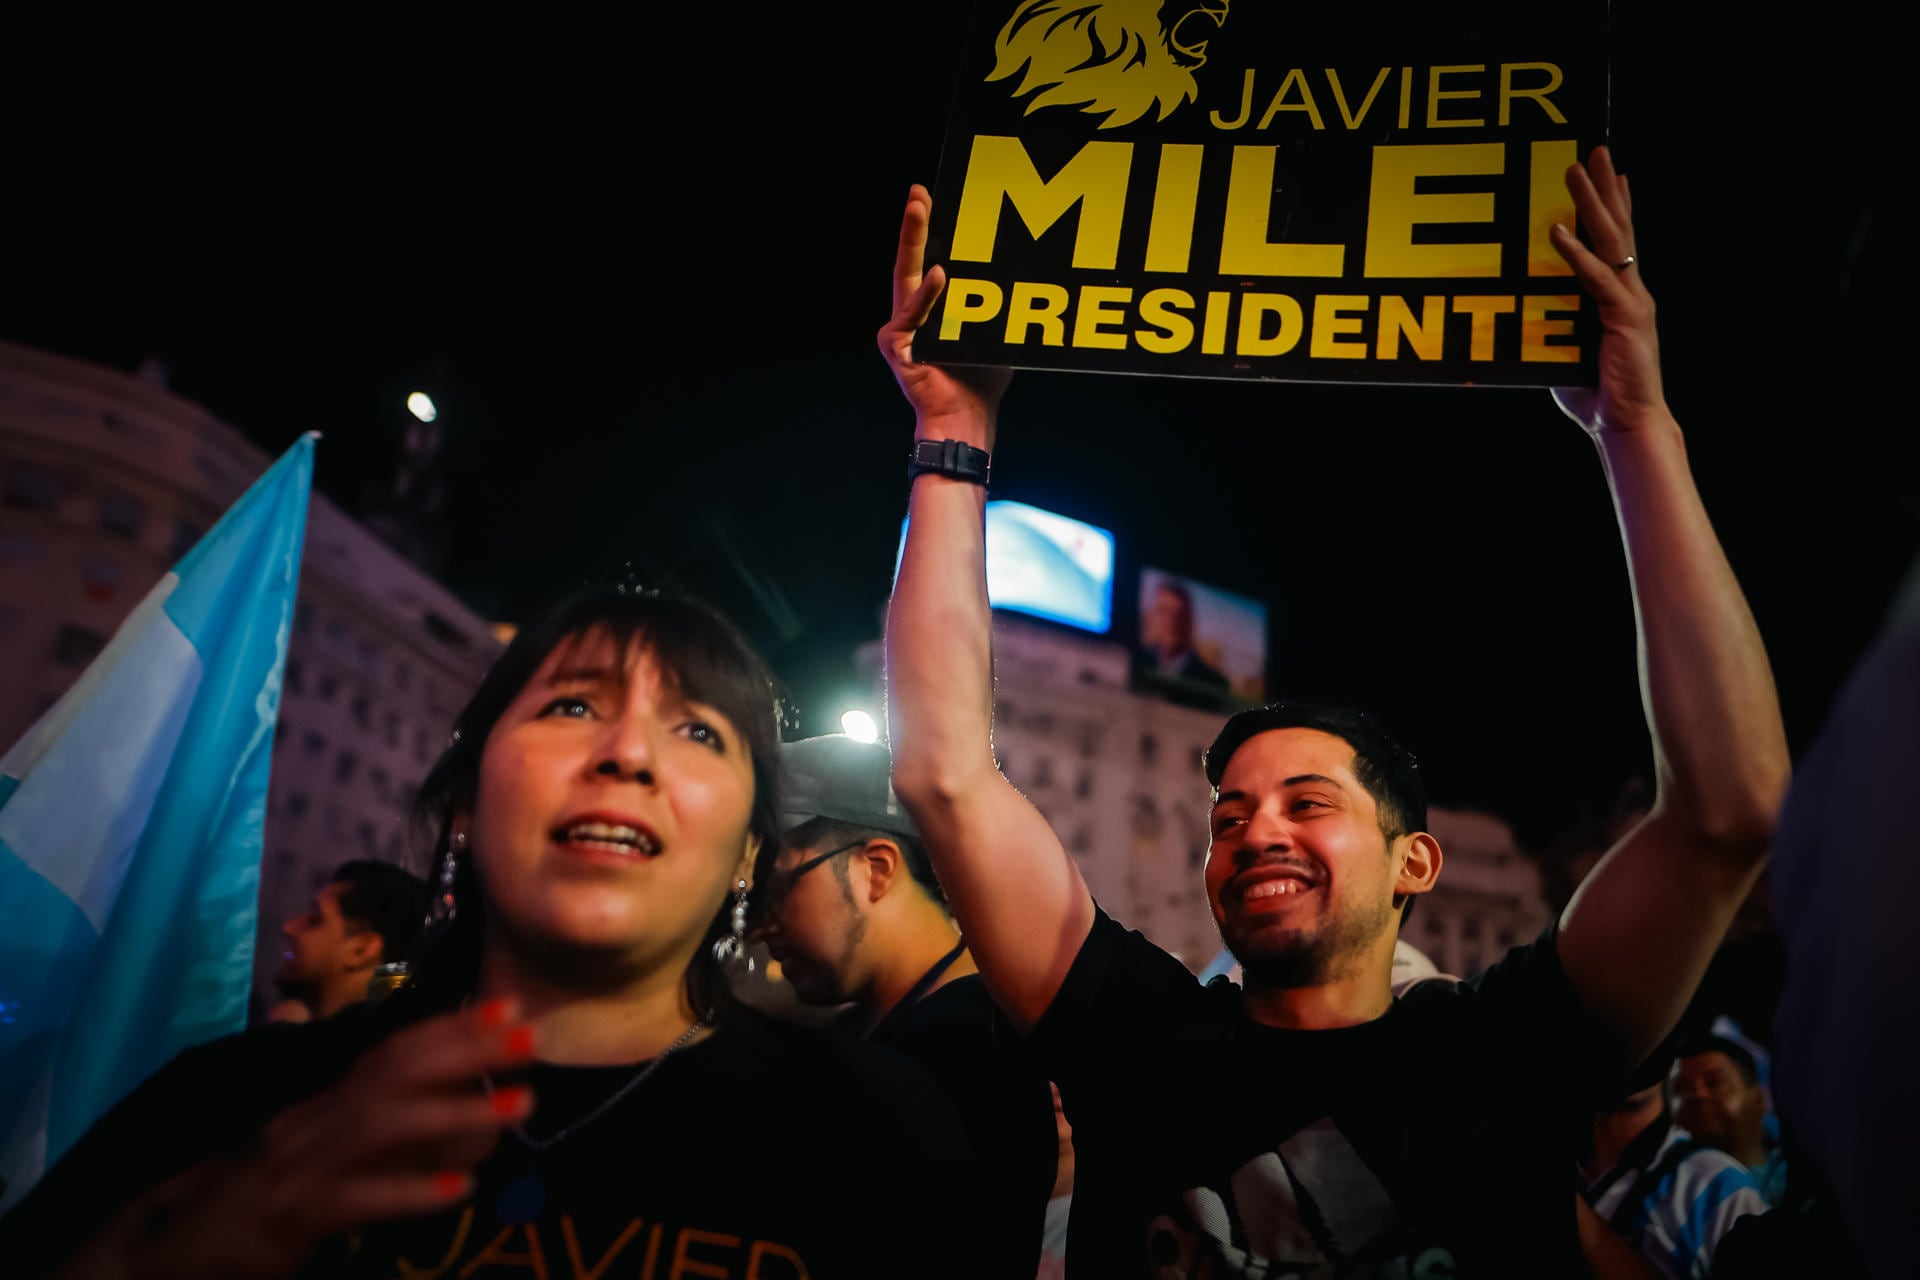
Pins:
x,y
732,946
440,915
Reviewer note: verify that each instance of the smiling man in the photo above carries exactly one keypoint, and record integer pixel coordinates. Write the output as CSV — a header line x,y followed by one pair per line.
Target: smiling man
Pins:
x,y
1310,1123
1347,794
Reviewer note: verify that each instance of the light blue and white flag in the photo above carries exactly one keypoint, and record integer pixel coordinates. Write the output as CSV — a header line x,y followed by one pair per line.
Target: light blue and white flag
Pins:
x,y
130,828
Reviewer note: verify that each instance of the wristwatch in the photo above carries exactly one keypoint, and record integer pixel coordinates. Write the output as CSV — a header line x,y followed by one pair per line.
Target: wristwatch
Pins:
x,y
952,458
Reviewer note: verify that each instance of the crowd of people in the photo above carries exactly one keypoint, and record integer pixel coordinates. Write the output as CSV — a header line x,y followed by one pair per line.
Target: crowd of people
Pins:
x,y
1014,1084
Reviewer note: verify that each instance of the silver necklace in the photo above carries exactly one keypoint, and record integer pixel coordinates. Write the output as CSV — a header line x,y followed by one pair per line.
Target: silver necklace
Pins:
x,y
545,1144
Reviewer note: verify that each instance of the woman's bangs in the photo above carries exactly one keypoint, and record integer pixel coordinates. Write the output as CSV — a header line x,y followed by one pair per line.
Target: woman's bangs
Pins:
x,y
696,659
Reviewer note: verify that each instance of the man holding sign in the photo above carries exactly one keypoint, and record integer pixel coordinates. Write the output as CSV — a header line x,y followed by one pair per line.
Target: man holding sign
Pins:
x,y
1309,1123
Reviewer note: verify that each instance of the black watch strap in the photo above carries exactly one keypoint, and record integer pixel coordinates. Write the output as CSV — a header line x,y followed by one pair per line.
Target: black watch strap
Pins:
x,y
952,458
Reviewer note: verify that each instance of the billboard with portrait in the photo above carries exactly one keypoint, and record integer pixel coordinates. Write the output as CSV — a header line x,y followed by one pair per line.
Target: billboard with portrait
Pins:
x,y
1199,643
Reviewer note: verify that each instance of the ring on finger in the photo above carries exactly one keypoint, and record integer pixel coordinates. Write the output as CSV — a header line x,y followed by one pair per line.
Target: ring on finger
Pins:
x,y
1625,262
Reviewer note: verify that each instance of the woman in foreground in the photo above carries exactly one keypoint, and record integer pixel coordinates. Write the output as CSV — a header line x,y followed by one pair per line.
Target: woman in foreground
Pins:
x,y
566,1086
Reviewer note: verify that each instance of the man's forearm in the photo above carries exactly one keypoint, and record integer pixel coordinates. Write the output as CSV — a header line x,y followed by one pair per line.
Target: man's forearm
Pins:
x,y
1017,895
1719,745
940,641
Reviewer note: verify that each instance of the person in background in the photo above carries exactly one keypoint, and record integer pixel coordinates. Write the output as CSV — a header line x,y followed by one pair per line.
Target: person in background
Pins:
x,y
1666,1193
1718,1098
854,915
369,914
1053,1237
1846,1051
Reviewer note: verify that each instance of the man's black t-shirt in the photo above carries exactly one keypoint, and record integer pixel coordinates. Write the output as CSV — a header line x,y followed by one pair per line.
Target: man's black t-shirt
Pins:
x,y
753,1153
1006,1107
1434,1142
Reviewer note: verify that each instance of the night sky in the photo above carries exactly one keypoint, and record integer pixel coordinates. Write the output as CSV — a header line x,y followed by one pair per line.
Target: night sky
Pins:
x,y
640,269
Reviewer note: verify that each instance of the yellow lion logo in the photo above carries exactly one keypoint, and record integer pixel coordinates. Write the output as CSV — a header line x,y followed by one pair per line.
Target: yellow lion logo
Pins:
x,y
1117,57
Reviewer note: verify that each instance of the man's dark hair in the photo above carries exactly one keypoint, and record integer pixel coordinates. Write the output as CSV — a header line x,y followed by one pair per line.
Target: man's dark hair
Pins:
x,y
381,898
1736,1054
822,834
1388,771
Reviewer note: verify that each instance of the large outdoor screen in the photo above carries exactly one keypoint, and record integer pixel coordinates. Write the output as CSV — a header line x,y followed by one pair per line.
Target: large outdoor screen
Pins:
x,y
1048,566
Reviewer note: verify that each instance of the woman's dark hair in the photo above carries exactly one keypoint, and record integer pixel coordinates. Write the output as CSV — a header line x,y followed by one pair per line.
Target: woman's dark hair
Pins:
x,y
709,660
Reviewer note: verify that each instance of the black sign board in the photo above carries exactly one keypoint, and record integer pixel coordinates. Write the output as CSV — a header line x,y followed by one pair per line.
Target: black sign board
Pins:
x,y
1255,189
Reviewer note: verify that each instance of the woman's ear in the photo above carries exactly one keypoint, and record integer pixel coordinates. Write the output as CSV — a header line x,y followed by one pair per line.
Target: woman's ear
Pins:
x,y
750,856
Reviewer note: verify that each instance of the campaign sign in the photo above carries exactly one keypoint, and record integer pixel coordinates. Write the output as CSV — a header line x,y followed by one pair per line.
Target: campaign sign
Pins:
x,y
1253,189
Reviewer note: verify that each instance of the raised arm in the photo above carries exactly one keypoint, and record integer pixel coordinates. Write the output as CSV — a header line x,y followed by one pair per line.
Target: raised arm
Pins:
x,y
1639,932
1019,898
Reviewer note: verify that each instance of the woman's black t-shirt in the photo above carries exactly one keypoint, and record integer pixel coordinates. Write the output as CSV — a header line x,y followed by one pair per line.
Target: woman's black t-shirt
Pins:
x,y
763,1151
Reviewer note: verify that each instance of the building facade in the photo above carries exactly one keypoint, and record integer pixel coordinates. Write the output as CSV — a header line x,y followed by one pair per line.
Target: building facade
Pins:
x,y
106,480
1118,776
1489,898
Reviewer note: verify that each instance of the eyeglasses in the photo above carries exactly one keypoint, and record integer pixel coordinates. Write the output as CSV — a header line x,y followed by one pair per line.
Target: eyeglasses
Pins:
x,y
781,883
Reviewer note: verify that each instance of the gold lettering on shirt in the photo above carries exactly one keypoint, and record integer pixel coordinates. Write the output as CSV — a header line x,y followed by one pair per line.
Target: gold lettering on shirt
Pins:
x,y
580,1269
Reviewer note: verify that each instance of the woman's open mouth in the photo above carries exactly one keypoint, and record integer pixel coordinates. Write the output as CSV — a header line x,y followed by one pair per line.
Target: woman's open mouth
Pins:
x,y
607,837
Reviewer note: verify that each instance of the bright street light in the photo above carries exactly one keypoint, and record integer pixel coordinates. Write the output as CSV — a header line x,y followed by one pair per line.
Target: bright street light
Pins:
x,y
420,405
860,726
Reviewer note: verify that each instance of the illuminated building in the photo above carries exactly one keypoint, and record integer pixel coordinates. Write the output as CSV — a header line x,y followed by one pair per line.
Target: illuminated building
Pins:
x,y
106,479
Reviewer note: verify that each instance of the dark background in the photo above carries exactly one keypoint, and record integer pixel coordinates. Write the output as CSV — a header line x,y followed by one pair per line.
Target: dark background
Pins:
x,y
640,265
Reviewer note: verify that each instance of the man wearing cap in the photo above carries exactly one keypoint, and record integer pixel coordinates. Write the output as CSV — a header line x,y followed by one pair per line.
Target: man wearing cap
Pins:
x,y
1308,1122
854,915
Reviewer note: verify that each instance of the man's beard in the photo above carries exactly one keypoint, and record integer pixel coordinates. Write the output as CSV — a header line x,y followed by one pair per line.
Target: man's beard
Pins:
x,y
1309,957
814,984
819,982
